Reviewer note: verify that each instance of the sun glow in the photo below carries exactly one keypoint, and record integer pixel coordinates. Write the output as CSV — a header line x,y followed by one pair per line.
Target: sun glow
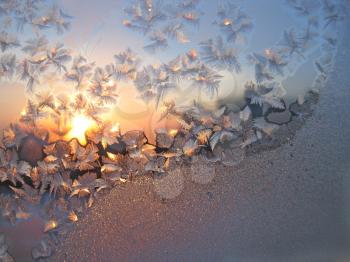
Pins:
x,y
23,112
80,125
227,22
173,132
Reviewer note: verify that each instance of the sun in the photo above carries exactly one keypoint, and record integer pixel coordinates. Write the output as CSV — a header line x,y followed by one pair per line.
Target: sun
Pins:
x,y
80,124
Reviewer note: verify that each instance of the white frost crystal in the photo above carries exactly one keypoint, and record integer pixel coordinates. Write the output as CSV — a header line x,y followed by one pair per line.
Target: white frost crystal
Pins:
x,y
169,185
202,172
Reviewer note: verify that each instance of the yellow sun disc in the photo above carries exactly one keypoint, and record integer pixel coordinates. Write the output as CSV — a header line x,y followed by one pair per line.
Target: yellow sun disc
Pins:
x,y
80,124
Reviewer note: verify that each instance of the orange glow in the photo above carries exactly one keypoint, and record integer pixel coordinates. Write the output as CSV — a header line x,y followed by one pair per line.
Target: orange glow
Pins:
x,y
123,180
112,157
126,23
192,54
80,125
111,83
173,132
115,128
190,16
267,52
227,22
53,51
23,112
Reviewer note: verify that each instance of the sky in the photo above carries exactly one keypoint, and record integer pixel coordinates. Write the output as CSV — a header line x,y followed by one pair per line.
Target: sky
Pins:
x,y
97,33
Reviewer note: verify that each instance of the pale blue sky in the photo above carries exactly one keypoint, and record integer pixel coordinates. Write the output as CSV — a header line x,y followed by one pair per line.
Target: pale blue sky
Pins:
x,y
97,32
